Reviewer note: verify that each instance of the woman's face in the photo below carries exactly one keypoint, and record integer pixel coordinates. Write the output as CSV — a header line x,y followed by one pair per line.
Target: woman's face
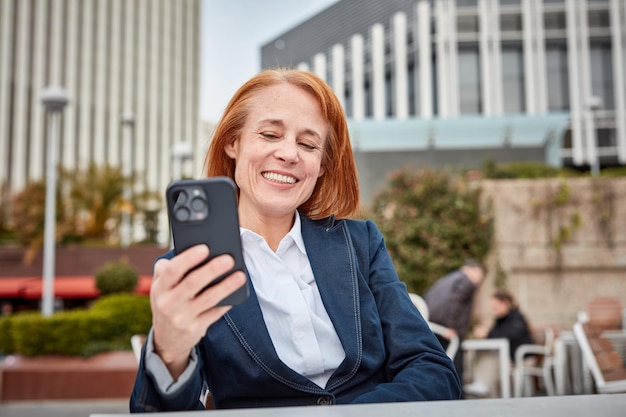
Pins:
x,y
278,157
500,308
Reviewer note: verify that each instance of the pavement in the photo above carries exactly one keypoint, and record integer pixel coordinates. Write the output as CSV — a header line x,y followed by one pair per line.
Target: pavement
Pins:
x,y
63,408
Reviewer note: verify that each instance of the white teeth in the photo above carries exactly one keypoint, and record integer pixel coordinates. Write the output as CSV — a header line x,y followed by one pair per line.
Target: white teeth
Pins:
x,y
272,176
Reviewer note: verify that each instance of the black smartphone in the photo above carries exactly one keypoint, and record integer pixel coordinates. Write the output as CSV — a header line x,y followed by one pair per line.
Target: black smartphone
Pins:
x,y
205,211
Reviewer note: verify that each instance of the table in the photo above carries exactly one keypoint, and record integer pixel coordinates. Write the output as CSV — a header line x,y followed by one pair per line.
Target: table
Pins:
x,y
501,345
609,405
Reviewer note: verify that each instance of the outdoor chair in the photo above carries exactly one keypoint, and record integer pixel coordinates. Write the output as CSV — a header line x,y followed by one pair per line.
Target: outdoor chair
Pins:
x,y
540,366
136,342
599,354
453,346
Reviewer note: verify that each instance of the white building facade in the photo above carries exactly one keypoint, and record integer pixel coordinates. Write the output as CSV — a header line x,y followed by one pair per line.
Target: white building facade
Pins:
x,y
488,59
131,71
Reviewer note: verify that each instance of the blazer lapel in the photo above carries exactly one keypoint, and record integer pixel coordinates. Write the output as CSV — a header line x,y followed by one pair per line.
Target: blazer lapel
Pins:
x,y
246,321
333,262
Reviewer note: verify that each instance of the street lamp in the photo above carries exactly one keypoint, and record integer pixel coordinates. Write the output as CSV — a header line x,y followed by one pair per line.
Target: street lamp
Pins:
x,y
180,152
128,120
54,99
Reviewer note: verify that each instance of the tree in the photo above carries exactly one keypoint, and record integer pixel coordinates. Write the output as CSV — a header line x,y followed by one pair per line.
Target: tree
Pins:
x,y
432,222
28,217
95,197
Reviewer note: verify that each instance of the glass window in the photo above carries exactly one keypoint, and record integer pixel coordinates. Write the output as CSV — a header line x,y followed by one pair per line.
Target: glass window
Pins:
x,y
602,74
513,79
467,24
469,80
599,19
557,78
511,22
554,21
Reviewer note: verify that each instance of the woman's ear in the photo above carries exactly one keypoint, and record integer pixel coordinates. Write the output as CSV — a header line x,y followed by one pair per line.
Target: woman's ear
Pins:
x,y
232,149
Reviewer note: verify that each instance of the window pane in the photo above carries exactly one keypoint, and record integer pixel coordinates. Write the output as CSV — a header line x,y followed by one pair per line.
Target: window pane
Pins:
x,y
602,74
513,79
469,80
557,78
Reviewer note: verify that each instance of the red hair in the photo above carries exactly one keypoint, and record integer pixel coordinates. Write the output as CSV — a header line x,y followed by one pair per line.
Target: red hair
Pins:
x,y
337,191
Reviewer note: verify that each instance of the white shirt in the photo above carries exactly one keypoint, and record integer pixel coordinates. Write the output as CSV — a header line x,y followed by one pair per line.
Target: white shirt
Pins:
x,y
296,319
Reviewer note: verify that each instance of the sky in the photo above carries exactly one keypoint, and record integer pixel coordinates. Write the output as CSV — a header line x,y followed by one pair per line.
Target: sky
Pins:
x,y
232,34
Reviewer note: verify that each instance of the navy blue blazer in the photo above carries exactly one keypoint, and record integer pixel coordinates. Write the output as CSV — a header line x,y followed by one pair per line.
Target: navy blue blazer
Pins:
x,y
391,354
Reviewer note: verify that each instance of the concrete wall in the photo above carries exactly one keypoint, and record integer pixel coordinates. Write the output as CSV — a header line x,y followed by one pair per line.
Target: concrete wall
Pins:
x,y
551,284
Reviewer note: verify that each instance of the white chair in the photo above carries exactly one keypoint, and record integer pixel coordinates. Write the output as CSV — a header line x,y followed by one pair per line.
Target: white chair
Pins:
x,y
604,363
541,367
453,346
136,342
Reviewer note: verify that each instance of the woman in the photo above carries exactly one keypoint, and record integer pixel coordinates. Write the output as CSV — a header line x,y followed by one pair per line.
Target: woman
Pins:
x,y
509,324
327,320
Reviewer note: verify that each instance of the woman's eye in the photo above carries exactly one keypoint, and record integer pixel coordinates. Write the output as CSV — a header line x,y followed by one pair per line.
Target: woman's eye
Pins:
x,y
269,135
308,146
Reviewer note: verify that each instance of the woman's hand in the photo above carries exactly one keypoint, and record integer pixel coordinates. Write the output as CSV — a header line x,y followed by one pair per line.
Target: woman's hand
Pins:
x,y
180,313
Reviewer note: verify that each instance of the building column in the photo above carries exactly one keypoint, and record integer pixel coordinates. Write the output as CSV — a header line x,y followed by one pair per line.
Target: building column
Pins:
x,y
490,51
453,49
319,65
36,158
6,41
400,79
424,64
358,76
443,63
19,157
618,14
69,149
378,71
338,72
534,57
573,51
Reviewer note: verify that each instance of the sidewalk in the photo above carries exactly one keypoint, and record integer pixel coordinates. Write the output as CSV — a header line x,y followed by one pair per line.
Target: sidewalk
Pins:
x,y
74,408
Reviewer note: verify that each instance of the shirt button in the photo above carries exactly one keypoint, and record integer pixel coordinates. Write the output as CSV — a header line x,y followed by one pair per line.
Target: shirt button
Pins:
x,y
324,401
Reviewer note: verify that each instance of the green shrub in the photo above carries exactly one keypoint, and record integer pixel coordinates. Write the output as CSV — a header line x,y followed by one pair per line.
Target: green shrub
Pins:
x,y
115,277
107,325
432,222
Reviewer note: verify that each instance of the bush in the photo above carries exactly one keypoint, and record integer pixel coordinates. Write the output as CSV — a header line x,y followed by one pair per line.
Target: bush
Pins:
x,y
115,277
107,325
432,222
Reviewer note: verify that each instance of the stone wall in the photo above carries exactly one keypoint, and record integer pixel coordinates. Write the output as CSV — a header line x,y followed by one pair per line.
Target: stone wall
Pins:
x,y
558,244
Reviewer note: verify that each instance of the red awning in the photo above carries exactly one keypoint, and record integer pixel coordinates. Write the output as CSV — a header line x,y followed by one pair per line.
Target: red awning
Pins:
x,y
64,287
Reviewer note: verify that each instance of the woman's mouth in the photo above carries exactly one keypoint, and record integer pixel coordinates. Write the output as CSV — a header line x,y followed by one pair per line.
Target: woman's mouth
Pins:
x,y
280,178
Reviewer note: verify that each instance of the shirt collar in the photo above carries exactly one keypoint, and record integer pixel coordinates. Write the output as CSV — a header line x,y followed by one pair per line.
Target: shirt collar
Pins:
x,y
294,235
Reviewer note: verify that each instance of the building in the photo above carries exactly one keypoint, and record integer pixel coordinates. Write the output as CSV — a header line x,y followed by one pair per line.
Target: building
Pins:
x,y
454,82
131,70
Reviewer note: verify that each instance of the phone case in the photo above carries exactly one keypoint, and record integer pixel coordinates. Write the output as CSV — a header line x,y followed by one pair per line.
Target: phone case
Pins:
x,y
205,211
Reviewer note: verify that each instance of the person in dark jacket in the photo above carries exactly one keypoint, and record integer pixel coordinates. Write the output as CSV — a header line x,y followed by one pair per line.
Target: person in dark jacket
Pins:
x,y
450,301
327,321
509,323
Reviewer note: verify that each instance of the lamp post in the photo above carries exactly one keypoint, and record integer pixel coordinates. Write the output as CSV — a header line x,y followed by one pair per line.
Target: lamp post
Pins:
x,y
180,152
128,120
54,100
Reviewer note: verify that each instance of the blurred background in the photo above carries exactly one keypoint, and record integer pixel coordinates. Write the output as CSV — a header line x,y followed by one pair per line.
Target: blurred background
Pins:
x,y
488,129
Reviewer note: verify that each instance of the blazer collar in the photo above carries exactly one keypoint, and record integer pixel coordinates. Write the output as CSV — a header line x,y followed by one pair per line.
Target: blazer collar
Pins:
x,y
333,263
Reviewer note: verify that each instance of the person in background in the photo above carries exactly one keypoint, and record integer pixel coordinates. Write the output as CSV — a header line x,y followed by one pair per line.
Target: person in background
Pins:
x,y
509,323
450,302
327,321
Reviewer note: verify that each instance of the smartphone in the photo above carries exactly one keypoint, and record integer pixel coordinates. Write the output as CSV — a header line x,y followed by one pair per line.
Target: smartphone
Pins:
x,y
205,211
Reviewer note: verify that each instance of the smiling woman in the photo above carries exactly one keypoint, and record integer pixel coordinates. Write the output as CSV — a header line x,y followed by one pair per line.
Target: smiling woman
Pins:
x,y
327,320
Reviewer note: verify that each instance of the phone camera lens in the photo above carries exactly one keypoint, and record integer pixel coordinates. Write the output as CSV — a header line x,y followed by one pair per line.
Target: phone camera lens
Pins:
x,y
182,214
198,204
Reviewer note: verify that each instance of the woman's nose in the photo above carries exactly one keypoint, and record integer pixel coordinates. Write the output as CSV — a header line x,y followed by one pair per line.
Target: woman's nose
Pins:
x,y
288,151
